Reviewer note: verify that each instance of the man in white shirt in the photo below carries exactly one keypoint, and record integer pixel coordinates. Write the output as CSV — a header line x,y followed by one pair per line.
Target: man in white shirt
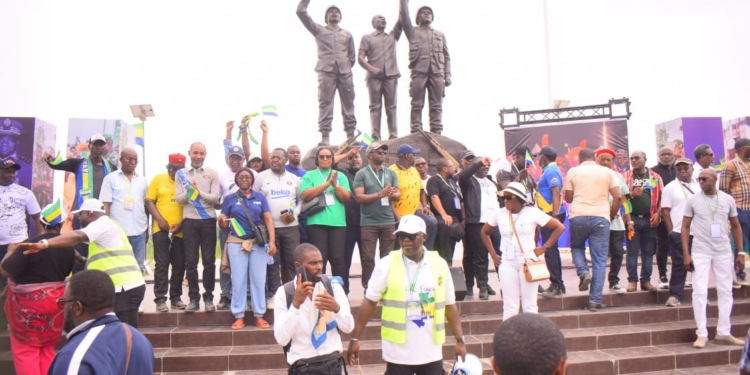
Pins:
x,y
704,159
708,216
313,341
421,164
415,307
673,200
124,196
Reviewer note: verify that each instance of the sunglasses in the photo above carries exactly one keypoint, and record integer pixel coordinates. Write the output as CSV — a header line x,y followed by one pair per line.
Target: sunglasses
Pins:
x,y
711,154
61,303
325,157
420,164
635,158
508,197
410,236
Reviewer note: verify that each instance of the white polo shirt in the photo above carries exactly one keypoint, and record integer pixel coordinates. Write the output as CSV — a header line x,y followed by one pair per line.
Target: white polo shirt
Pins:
x,y
674,196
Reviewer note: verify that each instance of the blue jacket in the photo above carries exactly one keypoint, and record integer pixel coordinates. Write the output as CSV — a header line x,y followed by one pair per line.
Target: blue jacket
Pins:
x,y
102,350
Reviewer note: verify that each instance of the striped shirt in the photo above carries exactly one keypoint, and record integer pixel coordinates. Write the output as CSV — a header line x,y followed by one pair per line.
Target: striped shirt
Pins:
x,y
735,181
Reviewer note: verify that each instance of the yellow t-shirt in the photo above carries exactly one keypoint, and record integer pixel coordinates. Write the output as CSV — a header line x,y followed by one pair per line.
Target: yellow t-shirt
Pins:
x,y
410,185
161,191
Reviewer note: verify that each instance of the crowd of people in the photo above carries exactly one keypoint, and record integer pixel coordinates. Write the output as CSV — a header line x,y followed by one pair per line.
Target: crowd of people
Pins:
x,y
279,227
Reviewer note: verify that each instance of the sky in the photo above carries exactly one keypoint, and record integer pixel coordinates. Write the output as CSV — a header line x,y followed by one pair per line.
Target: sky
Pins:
x,y
201,64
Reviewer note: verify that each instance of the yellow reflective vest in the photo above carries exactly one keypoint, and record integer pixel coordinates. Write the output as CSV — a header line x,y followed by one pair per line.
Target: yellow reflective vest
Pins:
x,y
393,317
117,262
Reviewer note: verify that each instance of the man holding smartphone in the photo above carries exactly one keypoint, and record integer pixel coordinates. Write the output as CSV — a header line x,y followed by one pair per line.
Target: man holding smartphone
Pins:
x,y
281,189
709,217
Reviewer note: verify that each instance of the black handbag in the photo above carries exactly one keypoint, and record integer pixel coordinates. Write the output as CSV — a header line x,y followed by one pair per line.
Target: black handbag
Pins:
x,y
315,205
260,231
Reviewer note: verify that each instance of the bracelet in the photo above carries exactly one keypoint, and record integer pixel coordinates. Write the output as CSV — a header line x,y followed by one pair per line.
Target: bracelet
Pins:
x,y
353,339
460,340
45,243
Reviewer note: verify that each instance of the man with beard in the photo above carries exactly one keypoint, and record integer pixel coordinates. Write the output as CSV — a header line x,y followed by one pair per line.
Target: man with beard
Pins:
x,y
294,166
549,200
377,55
89,173
110,253
336,56
353,230
169,248
124,197
416,308
281,189
645,190
480,205
735,181
666,170
197,190
710,216
375,189
430,65
445,202
97,341
293,327
675,194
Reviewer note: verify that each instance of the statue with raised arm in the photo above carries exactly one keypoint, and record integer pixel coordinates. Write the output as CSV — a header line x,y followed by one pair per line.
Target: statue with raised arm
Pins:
x,y
377,55
335,60
430,66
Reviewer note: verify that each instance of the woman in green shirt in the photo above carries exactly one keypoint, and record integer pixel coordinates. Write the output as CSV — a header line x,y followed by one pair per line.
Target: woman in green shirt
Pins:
x,y
327,229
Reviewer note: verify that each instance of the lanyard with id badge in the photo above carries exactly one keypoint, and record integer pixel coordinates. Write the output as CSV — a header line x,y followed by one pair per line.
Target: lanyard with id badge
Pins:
x,y
328,193
715,227
384,201
414,310
129,202
456,199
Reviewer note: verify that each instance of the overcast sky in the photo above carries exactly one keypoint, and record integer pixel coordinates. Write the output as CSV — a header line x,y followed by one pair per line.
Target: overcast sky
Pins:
x,y
203,63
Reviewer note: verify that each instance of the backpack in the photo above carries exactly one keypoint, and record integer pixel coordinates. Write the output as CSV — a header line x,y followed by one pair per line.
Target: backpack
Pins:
x,y
289,291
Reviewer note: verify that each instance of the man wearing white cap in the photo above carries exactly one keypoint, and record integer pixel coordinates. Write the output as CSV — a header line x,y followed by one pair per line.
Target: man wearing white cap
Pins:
x,y
415,307
109,252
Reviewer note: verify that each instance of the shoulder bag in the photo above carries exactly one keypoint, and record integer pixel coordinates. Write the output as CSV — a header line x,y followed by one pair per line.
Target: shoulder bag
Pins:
x,y
260,231
313,206
532,271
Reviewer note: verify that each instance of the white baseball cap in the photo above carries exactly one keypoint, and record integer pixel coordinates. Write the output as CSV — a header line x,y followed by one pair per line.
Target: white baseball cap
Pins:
x,y
97,137
93,205
411,224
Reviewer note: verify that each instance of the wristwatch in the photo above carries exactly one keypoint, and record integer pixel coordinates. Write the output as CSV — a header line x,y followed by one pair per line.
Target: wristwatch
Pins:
x,y
460,340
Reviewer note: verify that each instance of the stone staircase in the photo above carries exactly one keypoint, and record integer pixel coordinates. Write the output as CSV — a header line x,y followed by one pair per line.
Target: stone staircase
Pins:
x,y
634,334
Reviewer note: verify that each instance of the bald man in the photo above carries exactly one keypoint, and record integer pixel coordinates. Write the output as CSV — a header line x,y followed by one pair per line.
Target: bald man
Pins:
x,y
124,196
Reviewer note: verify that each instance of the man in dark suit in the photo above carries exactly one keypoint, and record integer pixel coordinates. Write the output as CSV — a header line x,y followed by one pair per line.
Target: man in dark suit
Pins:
x,y
336,57
430,65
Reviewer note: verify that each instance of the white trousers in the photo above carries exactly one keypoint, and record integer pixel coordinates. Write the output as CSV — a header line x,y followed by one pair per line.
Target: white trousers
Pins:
x,y
723,267
515,287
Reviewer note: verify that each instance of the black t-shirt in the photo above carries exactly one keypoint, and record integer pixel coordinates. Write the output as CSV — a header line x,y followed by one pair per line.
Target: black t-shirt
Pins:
x,y
352,207
45,266
447,194
642,203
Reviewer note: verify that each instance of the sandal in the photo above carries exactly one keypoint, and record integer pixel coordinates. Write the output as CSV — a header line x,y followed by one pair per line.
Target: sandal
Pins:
x,y
239,324
261,323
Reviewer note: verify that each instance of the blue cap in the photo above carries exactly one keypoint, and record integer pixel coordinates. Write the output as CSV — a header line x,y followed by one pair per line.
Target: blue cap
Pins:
x,y
406,149
236,150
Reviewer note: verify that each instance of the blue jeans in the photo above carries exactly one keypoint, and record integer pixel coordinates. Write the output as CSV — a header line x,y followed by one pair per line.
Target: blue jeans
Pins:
x,y
595,229
138,243
248,266
225,281
643,241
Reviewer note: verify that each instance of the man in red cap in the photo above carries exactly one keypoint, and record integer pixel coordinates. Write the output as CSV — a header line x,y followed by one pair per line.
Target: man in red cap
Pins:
x,y
167,237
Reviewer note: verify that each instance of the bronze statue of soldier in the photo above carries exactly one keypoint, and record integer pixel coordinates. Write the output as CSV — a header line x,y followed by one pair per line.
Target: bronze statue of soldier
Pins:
x,y
430,66
336,57
377,55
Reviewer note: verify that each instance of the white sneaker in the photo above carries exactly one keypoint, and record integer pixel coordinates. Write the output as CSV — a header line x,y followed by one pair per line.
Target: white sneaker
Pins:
x,y
616,289
663,285
688,284
269,303
736,285
140,310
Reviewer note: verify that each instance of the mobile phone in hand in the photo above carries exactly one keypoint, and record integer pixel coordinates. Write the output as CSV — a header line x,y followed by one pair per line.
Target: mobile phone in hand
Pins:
x,y
692,267
301,270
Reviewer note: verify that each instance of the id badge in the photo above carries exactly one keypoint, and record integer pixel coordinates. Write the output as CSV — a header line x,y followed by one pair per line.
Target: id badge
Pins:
x,y
129,203
329,199
509,252
715,230
385,202
457,203
413,310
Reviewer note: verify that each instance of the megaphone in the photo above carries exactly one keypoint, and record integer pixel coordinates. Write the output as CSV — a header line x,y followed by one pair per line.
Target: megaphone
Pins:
x,y
471,366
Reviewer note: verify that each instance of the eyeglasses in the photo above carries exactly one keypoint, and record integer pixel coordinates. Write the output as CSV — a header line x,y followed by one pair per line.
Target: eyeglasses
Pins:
x,y
702,179
508,197
411,236
707,154
61,303
635,158
325,157
420,164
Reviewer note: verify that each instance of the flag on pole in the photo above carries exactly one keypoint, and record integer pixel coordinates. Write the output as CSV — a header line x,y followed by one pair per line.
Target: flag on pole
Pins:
x,y
627,207
193,194
244,125
139,134
58,159
237,227
366,140
270,110
52,214
652,183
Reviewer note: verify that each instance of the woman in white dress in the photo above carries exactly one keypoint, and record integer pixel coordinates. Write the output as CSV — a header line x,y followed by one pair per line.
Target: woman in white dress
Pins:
x,y
518,223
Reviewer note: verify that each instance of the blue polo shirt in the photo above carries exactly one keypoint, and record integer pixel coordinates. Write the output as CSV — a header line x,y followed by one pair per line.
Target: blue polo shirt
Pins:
x,y
551,177
256,205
